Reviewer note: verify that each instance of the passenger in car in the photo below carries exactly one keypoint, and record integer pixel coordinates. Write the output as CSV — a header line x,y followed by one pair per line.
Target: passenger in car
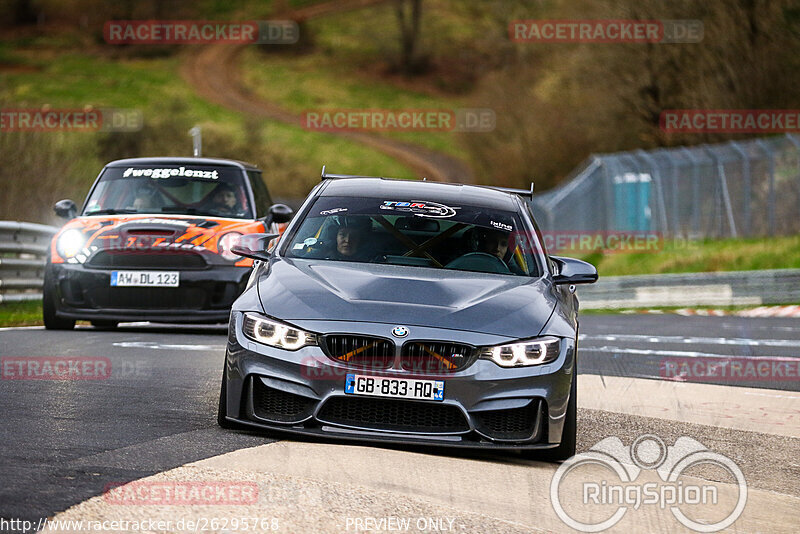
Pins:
x,y
495,242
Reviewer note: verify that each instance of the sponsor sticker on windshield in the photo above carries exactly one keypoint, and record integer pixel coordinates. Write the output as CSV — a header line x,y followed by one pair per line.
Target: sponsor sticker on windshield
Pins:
x,y
419,208
502,226
172,172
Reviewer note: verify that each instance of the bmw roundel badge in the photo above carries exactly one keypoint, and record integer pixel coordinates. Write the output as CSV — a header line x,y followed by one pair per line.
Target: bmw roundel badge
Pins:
x,y
399,331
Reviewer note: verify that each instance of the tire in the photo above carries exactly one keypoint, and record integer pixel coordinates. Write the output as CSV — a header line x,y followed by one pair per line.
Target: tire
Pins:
x,y
109,325
565,449
222,408
51,321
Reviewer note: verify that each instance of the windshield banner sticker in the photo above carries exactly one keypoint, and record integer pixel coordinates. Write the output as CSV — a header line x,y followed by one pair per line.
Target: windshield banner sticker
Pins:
x,y
502,226
332,211
168,173
420,209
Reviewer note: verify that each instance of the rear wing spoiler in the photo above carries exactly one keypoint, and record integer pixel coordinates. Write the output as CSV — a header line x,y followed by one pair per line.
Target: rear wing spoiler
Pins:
x,y
521,192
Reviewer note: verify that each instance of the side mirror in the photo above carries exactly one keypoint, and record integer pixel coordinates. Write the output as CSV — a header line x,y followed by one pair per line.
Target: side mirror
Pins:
x,y
66,209
254,246
572,271
279,214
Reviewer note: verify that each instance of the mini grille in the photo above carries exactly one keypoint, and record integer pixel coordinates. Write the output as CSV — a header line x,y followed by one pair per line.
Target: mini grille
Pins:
x,y
133,259
385,414
276,405
360,351
516,423
436,357
147,298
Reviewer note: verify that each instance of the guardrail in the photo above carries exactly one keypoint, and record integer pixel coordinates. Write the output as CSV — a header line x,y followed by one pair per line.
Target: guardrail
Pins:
x,y
732,288
23,248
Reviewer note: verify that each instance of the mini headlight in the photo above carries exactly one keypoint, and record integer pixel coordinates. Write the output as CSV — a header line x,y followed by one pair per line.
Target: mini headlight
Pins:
x,y
226,242
524,353
274,334
70,243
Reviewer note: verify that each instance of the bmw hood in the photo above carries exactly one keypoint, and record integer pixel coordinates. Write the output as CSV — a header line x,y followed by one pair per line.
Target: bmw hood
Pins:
x,y
512,306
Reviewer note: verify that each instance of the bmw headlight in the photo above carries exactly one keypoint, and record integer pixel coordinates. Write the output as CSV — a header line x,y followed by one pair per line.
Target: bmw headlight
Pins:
x,y
70,243
226,242
274,334
536,351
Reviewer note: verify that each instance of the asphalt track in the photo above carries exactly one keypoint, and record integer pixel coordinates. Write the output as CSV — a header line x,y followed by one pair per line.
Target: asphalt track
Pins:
x,y
64,442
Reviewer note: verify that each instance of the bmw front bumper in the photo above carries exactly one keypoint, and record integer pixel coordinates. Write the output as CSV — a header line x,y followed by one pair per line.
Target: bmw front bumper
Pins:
x,y
484,406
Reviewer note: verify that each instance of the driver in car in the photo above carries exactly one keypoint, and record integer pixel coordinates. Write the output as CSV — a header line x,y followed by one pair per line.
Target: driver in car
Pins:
x,y
147,199
350,239
223,200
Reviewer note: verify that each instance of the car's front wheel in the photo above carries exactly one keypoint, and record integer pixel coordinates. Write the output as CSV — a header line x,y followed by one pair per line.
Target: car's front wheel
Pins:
x,y
51,321
565,449
222,408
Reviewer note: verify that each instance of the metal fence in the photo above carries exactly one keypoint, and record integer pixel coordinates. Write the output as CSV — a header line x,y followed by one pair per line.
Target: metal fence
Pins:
x,y
731,288
23,247
735,189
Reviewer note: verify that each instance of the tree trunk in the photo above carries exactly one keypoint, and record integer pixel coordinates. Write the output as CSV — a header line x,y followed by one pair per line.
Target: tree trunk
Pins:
x,y
409,33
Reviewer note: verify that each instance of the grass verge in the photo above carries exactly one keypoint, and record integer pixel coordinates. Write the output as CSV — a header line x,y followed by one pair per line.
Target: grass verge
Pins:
x,y
703,256
28,313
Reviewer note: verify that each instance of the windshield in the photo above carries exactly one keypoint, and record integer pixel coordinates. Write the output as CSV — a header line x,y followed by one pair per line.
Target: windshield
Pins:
x,y
172,189
416,233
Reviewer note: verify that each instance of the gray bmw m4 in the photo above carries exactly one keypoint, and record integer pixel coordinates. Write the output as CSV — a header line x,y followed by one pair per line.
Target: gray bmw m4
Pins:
x,y
411,312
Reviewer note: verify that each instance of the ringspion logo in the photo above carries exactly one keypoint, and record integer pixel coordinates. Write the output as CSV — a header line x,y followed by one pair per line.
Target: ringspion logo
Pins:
x,y
611,483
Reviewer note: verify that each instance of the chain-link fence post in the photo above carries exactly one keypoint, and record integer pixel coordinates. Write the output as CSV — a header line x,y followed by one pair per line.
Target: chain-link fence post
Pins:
x,y
655,173
748,221
792,139
695,191
771,197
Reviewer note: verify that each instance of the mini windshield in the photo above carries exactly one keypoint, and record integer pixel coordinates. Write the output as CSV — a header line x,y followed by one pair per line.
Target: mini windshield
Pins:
x,y
417,233
171,189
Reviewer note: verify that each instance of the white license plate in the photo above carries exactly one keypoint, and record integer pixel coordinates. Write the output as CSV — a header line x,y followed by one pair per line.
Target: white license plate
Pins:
x,y
398,388
145,278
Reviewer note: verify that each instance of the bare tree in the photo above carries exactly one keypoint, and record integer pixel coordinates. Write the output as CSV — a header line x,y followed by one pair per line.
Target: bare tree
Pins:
x,y
409,18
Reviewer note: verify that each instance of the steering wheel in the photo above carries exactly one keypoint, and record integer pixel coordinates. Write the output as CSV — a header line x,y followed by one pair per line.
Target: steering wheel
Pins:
x,y
479,261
